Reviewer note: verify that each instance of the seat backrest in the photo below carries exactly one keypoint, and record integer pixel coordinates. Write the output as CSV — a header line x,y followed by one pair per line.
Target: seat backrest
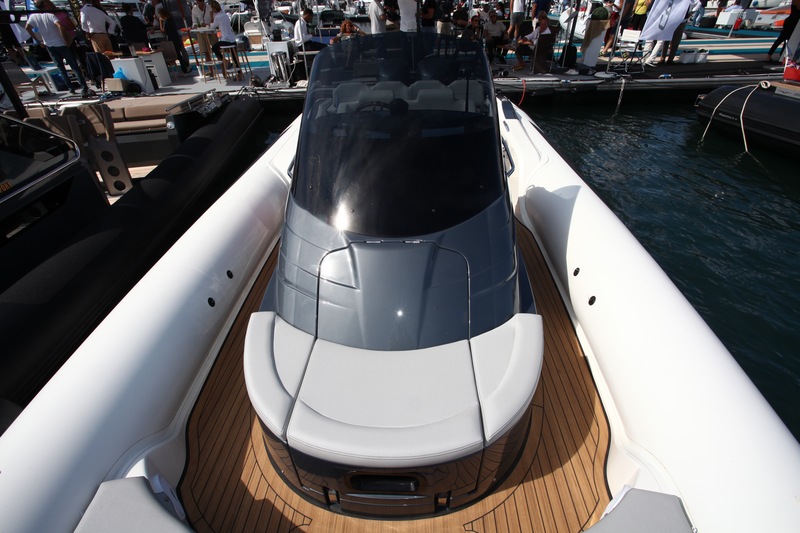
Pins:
x,y
15,74
630,36
398,88
419,85
168,50
347,92
434,99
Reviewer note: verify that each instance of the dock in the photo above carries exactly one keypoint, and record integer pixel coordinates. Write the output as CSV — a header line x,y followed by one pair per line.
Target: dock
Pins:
x,y
726,61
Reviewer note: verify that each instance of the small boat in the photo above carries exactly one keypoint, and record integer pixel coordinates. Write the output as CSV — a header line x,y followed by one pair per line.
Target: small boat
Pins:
x,y
772,18
761,114
409,308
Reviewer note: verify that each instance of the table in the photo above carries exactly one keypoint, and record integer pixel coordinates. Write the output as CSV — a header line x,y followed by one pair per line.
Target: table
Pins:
x,y
205,37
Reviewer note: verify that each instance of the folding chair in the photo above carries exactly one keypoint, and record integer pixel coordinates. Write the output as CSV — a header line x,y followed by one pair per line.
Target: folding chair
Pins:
x,y
20,80
630,49
543,53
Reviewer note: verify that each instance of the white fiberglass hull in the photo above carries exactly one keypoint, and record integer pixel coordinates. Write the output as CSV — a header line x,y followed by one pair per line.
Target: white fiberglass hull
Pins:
x,y
685,419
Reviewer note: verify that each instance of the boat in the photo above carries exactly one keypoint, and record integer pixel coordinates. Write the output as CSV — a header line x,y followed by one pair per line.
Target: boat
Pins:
x,y
74,244
760,114
640,419
772,18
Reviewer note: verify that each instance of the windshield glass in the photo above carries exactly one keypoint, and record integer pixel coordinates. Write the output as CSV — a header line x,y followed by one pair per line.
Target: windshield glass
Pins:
x,y
28,154
399,135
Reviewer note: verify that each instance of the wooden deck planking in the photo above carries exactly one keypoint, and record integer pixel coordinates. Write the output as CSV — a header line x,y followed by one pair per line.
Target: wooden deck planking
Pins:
x,y
558,485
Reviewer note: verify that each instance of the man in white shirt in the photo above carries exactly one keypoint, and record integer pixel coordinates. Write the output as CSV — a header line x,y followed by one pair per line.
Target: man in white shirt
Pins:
x,y
46,29
201,18
496,36
301,36
97,25
377,17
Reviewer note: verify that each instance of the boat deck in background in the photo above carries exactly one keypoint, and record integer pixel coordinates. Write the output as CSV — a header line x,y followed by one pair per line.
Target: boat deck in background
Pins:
x,y
558,485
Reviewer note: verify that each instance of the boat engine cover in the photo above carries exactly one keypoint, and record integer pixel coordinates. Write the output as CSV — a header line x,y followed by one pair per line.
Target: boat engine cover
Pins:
x,y
393,295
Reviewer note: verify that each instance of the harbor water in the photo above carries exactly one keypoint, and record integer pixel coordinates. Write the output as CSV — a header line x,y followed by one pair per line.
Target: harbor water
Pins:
x,y
723,223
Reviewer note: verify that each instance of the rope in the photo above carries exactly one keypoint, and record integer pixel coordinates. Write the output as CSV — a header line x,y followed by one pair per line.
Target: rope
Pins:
x,y
714,112
524,90
621,90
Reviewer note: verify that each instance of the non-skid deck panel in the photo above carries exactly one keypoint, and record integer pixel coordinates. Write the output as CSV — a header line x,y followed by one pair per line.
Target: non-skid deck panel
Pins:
x,y
558,485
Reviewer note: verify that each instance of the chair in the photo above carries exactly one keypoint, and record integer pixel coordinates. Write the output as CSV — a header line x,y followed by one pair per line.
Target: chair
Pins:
x,y
20,80
542,53
230,62
99,68
210,69
630,48
252,30
244,61
167,49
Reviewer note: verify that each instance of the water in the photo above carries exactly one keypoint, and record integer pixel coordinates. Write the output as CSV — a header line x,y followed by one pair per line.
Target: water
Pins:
x,y
723,224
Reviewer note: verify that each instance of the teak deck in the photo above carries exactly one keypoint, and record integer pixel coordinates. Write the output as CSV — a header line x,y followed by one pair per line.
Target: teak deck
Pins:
x,y
558,485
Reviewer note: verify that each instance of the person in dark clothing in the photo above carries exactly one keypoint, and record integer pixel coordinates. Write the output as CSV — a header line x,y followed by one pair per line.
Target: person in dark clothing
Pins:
x,y
789,24
133,29
170,29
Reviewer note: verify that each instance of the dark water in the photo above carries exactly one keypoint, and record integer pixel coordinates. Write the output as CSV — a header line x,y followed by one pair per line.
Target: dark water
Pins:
x,y
722,223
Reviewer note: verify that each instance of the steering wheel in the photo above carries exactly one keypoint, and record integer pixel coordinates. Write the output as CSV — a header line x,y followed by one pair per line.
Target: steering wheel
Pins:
x,y
377,104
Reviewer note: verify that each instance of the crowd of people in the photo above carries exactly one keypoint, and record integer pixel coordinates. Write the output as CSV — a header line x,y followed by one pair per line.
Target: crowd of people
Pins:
x,y
483,22
70,42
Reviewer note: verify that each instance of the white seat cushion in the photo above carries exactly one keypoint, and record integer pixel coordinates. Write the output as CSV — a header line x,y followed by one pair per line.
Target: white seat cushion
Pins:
x,y
275,356
391,409
508,363
387,409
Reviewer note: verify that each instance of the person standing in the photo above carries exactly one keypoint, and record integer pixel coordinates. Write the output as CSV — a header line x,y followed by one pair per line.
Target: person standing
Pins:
x,y
539,5
170,29
789,24
427,17
408,15
134,31
640,8
517,18
377,17
46,29
699,8
97,25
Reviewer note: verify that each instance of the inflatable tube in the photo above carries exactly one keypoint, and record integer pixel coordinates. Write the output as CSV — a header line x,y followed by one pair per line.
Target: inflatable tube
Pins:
x,y
47,313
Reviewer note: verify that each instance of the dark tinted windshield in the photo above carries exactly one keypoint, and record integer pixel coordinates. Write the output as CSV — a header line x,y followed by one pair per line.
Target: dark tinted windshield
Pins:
x,y
28,154
399,136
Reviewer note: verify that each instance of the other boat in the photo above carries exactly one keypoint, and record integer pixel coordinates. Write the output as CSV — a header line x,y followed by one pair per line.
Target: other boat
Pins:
x,y
377,275
760,114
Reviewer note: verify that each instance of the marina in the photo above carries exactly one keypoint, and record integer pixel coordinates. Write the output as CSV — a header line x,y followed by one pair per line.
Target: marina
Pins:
x,y
319,323
186,424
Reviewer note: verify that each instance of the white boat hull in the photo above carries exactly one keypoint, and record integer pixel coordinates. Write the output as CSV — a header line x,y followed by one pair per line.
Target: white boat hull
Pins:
x,y
685,419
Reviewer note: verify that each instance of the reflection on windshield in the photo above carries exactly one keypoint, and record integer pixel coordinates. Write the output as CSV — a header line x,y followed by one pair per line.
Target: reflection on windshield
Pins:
x,y
399,136
27,154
